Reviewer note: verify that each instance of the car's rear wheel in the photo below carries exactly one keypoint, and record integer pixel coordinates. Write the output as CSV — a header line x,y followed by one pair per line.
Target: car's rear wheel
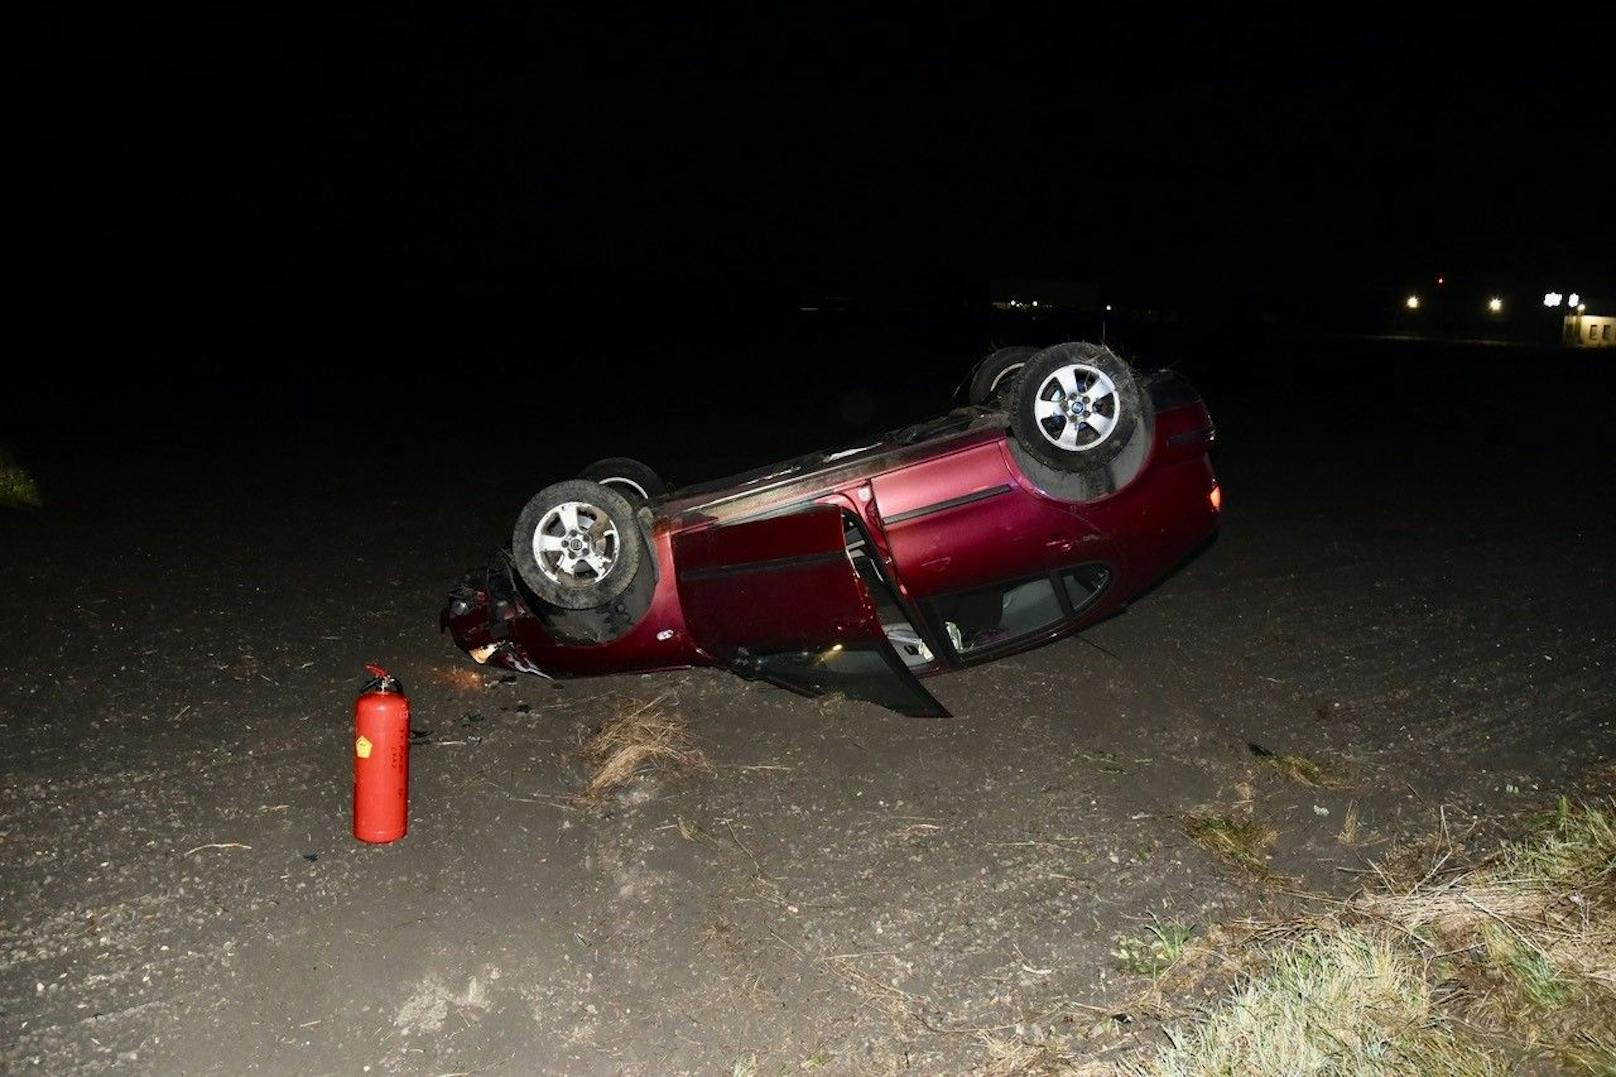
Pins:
x,y
995,377
577,545
637,482
1076,406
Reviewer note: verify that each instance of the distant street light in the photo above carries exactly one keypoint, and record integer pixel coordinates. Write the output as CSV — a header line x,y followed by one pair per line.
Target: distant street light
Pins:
x,y
1412,302
1552,299
1575,300
1495,304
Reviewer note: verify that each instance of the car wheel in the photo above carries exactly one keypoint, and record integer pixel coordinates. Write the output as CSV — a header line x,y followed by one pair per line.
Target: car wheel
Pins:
x,y
635,481
995,377
1076,406
577,545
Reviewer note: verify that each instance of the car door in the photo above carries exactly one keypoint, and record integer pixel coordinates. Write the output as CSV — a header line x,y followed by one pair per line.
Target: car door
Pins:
x,y
963,520
779,600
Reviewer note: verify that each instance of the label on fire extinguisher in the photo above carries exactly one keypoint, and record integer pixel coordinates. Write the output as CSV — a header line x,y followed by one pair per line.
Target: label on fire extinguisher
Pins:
x,y
361,748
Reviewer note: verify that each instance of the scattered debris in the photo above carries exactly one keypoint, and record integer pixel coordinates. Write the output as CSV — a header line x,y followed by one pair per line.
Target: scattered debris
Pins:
x,y
1006,1057
457,677
644,738
218,845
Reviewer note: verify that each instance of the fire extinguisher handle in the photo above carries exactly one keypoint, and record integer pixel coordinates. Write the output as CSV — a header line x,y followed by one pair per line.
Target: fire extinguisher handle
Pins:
x,y
382,681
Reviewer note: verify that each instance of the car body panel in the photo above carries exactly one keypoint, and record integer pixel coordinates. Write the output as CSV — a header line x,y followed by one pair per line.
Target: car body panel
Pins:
x,y
772,584
964,520
756,564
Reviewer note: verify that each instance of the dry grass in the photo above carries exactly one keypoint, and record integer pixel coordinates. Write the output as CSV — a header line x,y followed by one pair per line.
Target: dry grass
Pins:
x,y
639,741
1006,1057
1301,770
1238,839
17,488
1507,964
1349,833
1532,934
1337,1002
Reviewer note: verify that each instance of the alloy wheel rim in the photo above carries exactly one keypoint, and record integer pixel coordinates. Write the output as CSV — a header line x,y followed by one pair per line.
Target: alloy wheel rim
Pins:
x,y
1077,407
575,544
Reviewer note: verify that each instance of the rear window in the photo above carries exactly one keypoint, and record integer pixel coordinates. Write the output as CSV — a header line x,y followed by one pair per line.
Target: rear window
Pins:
x,y
991,617
988,618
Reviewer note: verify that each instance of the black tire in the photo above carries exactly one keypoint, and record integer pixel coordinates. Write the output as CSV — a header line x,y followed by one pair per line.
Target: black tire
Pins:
x,y
587,587
1090,449
995,377
635,481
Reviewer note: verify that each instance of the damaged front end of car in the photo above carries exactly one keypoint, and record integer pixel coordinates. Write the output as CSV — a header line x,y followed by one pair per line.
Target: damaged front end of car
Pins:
x,y
481,617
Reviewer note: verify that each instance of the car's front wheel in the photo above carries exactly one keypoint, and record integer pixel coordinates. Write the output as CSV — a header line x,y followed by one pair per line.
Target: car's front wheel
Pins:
x,y
577,545
1076,406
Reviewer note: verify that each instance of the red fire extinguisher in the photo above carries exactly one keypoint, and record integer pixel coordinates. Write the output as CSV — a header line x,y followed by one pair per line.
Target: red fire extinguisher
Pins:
x,y
381,765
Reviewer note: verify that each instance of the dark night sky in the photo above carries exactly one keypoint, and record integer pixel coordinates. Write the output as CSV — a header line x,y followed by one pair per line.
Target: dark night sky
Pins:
x,y
261,157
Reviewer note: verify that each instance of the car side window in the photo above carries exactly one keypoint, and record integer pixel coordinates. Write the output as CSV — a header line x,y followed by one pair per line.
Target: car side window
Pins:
x,y
1084,584
990,617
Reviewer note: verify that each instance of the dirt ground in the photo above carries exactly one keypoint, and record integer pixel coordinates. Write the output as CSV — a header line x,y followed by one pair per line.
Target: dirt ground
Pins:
x,y
1414,588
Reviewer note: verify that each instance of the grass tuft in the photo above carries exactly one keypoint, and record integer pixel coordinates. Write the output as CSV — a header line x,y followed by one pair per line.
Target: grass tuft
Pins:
x,y
1154,952
1534,979
642,740
1333,1002
1573,846
1301,770
1509,964
1239,840
18,490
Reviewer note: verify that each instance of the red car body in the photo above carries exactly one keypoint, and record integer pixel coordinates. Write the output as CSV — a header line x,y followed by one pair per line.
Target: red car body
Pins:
x,y
866,570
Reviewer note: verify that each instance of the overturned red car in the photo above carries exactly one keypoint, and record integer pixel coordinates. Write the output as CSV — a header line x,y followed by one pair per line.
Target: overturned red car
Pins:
x,y
1066,487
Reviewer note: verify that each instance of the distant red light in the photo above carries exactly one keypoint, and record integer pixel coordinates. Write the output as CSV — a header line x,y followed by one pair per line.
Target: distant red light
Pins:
x,y
1441,280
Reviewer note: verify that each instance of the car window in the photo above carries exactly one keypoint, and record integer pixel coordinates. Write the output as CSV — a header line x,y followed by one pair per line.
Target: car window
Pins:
x,y
1083,585
991,617
859,671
